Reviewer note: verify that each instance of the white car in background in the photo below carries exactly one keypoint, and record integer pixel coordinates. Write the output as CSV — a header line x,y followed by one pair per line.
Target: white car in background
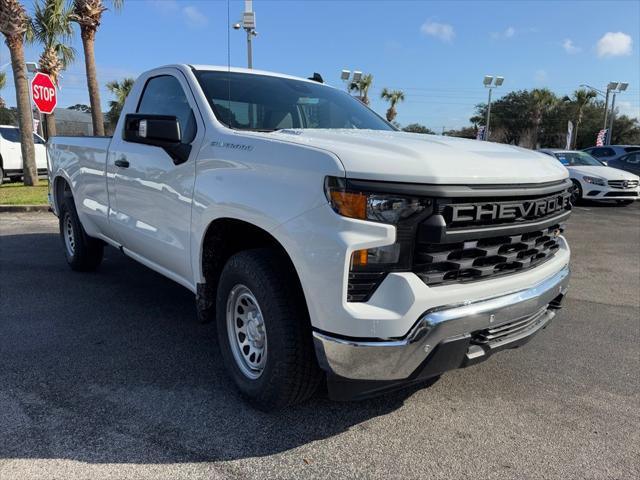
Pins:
x,y
11,154
593,180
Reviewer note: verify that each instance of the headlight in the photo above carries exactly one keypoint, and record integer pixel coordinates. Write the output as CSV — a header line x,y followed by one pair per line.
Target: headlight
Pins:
x,y
595,180
368,267
376,207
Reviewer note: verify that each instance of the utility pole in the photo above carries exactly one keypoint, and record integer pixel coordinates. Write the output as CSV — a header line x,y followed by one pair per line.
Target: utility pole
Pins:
x,y
490,82
249,25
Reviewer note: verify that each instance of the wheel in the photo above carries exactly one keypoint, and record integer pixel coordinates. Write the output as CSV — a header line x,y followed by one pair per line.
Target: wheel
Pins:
x,y
576,193
624,203
264,331
1,176
82,252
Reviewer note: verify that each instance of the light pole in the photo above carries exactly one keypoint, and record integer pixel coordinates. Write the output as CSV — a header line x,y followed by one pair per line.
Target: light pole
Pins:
x,y
490,82
348,79
249,25
616,87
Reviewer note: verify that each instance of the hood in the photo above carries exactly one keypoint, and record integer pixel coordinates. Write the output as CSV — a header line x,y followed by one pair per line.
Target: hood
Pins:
x,y
608,173
420,158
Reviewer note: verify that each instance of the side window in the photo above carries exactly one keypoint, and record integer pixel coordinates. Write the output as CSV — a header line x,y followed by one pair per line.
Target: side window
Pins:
x,y
163,95
633,159
608,152
598,152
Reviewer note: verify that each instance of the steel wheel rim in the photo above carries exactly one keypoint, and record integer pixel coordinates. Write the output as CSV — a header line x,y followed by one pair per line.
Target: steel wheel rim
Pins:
x,y
246,331
69,238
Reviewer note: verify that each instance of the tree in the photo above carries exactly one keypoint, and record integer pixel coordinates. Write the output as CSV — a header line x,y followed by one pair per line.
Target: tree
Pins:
x,y
511,118
13,25
51,27
543,100
417,128
393,97
581,98
362,87
88,13
80,107
120,90
3,83
464,132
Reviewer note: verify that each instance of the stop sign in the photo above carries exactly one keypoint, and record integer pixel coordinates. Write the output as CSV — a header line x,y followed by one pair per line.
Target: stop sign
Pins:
x,y
44,93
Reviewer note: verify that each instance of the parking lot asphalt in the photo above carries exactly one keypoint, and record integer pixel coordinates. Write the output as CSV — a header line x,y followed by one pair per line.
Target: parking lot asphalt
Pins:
x,y
109,375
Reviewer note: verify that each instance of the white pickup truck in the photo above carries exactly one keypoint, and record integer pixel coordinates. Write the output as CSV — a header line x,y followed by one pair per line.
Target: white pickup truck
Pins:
x,y
324,243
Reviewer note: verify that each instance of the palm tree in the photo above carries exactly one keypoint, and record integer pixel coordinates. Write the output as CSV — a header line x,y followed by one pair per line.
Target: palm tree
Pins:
x,y
3,83
543,100
51,26
13,25
120,90
87,14
362,87
393,97
580,99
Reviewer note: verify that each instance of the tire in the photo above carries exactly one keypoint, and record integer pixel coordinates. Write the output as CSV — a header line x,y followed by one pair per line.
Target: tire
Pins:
x,y
1,176
624,203
83,253
258,294
576,193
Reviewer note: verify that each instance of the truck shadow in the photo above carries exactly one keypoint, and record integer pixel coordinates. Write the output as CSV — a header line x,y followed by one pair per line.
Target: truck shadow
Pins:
x,y
113,367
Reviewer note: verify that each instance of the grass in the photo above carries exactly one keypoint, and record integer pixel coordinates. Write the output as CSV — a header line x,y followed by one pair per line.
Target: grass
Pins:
x,y
18,194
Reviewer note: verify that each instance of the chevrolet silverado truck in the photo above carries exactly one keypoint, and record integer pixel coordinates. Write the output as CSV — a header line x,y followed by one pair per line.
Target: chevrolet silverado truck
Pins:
x,y
325,244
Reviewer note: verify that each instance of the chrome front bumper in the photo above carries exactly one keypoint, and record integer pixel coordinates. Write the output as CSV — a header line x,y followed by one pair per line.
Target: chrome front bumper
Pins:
x,y
522,313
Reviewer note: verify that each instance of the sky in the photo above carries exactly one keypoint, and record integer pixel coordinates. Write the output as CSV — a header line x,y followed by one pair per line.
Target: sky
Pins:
x,y
436,52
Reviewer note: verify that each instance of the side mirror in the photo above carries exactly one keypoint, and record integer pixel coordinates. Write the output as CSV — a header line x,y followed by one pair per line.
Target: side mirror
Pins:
x,y
158,130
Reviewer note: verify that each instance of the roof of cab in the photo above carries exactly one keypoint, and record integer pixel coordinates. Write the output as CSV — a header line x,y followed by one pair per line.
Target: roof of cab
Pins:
x,y
219,68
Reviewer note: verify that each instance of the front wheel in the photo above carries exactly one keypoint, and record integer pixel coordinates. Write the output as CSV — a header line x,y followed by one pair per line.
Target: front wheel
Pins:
x,y
264,331
576,193
82,252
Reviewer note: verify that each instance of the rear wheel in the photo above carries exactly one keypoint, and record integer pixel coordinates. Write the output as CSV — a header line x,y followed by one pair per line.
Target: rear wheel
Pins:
x,y
264,332
576,193
1,176
82,252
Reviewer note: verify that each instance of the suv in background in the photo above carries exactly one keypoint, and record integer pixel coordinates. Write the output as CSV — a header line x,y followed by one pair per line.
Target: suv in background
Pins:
x,y
610,152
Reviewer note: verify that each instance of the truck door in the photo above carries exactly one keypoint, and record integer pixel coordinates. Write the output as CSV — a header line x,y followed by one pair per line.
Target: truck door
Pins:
x,y
151,210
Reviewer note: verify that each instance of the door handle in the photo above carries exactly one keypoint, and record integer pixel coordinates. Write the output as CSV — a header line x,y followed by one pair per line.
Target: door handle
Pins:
x,y
122,162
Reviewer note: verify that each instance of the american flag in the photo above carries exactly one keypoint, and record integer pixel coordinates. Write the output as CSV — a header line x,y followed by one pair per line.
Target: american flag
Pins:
x,y
602,134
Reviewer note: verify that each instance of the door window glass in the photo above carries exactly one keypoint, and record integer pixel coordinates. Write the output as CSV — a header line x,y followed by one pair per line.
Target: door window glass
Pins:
x,y
164,95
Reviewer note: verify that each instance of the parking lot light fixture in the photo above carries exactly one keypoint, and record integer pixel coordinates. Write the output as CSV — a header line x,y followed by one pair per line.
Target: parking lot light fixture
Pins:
x,y
490,82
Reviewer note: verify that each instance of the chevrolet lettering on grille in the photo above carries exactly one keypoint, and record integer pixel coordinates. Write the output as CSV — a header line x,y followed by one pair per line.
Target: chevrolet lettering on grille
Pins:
x,y
525,210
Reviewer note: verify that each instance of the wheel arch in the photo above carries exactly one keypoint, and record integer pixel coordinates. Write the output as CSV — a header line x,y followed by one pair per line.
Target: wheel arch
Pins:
x,y
61,188
223,238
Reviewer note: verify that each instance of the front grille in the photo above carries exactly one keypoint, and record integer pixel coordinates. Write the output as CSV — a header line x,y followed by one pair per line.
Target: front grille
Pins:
x,y
500,333
623,183
437,263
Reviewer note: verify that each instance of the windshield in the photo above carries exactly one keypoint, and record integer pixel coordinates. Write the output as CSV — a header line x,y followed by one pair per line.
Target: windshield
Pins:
x,y
263,103
577,159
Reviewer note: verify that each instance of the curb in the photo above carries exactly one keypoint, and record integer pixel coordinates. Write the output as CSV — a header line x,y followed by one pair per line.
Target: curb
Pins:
x,y
24,208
